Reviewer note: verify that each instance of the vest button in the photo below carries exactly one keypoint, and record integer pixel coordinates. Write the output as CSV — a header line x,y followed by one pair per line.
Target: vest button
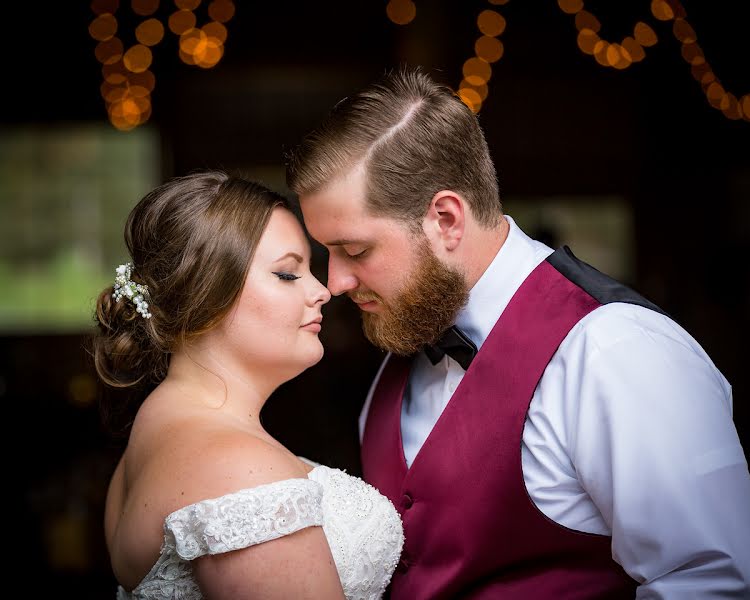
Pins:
x,y
407,499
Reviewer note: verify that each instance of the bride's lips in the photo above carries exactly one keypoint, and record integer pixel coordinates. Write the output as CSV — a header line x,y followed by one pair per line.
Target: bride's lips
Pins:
x,y
314,325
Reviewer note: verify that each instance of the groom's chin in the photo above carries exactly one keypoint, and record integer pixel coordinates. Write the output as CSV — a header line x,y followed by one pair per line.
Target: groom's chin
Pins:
x,y
382,331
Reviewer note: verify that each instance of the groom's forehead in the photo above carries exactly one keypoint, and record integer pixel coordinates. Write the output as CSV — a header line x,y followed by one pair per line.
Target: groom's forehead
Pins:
x,y
346,188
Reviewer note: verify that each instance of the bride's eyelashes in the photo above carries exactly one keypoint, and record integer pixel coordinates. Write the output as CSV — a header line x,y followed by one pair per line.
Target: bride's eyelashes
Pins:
x,y
284,276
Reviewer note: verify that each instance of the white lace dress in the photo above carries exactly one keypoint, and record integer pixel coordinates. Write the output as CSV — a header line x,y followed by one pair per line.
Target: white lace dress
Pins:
x,y
361,525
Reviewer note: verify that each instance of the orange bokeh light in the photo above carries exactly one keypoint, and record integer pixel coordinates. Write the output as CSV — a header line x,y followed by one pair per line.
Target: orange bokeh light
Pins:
x,y
138,91
700,70
644,35
216,30
144,8
476,71
587,40
209,54
145,79
570,6
731,108
745,103
187,4
112,93
221,10
491,23
197,48
181,21
715,91
661,10
137,59
585,20
401,12
116,73
600,53
99,7
186,58
716,94
150,32
489,49
470,98
693,54
190,40
109,51
482,90
126,108
634,49
684,32
618,57
103,27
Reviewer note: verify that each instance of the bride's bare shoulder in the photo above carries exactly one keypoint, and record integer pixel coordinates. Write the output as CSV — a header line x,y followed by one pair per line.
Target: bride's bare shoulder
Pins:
x,y
174,460
223,460
189,458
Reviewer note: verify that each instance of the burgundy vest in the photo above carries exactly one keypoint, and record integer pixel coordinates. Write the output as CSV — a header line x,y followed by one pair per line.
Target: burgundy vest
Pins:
x,y
471,529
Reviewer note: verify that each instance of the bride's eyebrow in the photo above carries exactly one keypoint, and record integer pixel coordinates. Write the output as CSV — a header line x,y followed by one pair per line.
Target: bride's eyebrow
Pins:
x,y
293,255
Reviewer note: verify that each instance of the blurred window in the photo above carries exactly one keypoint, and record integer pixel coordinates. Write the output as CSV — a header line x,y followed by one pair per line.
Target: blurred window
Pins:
x,y
65,193
599,229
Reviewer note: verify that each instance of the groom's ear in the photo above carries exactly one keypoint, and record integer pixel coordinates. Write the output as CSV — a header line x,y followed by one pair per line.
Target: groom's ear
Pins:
x,y
445,221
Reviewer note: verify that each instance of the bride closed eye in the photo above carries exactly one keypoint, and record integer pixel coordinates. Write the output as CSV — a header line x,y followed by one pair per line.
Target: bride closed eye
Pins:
x,y
285,276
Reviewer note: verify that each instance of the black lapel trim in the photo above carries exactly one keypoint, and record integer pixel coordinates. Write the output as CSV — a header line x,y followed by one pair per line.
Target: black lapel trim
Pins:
x,y
600,286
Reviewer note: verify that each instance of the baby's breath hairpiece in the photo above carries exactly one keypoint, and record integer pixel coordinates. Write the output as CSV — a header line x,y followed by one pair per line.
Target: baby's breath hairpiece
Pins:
x,y
126,288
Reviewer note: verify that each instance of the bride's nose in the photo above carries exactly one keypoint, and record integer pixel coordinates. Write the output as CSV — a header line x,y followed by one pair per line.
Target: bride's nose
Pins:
x,y
320,294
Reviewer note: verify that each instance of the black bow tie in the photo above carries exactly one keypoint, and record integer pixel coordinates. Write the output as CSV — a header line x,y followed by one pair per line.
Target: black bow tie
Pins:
x,y
456,344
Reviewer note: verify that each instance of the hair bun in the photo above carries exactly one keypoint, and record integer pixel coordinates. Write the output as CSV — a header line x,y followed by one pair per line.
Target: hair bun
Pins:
x,y
121,350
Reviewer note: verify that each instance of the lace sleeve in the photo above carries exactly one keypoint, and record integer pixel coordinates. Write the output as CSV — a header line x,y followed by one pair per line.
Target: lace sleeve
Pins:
x,y
244,518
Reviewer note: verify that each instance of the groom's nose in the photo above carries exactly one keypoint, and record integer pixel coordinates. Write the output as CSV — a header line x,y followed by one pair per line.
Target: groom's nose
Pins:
x,y
340,278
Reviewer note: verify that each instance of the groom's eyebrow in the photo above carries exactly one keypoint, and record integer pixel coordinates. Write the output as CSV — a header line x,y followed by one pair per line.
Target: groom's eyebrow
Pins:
x,y
294,255
344,242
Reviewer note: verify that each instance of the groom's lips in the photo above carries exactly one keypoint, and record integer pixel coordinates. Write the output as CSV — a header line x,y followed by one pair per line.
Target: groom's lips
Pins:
x,y
367,305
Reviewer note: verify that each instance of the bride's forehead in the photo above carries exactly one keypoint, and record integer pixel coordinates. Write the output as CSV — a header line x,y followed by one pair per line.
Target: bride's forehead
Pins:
x,y
283,240
283,225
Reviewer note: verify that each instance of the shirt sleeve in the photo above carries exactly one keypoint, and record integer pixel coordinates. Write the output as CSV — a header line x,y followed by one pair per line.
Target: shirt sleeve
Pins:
x,y
654,445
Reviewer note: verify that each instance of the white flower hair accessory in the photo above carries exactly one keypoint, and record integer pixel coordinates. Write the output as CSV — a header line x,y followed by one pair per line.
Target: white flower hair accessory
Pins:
x,y
126,288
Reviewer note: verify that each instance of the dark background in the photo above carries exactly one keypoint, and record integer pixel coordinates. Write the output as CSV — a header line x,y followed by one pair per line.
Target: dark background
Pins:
x,y
556,123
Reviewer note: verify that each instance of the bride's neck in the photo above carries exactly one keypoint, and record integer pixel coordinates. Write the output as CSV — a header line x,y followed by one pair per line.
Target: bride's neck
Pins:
x,y
216,381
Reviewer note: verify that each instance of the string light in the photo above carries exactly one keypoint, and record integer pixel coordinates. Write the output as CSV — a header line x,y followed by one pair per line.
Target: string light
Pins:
x,y
631,49
488,49
127,79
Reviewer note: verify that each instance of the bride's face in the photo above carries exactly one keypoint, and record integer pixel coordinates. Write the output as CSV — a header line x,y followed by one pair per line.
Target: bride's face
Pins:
x,y
273,328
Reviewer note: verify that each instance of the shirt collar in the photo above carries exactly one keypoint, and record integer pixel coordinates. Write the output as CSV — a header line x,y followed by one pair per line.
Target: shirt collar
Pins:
x,y
517,258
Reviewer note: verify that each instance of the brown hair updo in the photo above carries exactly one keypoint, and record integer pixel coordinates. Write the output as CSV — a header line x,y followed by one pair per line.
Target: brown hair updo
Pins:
x,y
191,241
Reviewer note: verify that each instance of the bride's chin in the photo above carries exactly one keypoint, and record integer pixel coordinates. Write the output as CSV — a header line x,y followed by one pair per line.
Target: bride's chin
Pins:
x,y
311,357
317,356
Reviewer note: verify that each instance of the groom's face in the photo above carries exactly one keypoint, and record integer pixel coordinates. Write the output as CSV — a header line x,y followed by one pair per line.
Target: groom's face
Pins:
x,y
407,296
369,256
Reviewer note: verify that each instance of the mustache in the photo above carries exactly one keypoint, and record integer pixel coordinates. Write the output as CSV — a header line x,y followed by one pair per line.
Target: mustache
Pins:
x,y
361,297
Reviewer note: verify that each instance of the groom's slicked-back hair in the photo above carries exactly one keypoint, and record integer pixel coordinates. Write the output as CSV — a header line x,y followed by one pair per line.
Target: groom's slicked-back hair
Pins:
x,y
414,137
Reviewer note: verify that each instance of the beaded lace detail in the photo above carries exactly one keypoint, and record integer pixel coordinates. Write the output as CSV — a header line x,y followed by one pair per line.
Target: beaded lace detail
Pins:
x,y
364,532
362,527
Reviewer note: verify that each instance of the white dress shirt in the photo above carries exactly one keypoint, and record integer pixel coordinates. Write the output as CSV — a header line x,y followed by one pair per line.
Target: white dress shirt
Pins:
x,y
629,434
